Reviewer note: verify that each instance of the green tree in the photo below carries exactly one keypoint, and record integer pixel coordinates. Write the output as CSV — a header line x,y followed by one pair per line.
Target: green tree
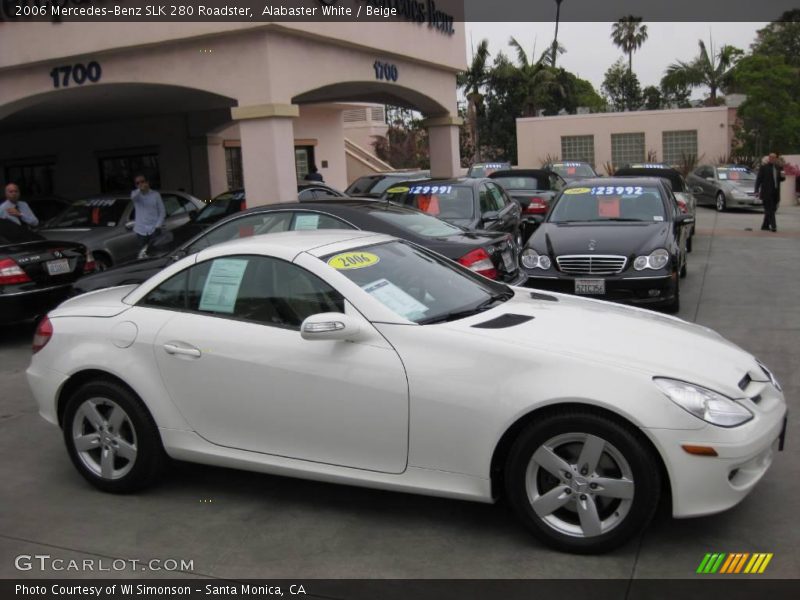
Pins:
x,y
780,38
710,69
628,34
540,81
675,94
587,97
472,81
769,119
622,87
652,97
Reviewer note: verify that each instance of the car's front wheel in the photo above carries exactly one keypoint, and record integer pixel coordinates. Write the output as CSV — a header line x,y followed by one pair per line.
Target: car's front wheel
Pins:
x,y
721,203
582,482
112,438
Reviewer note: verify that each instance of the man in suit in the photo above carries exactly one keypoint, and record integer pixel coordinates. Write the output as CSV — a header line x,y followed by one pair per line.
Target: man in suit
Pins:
x,y
768,186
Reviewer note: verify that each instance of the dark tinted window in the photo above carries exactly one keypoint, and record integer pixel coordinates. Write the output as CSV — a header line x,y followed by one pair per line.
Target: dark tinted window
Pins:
x,y
11,233
170,294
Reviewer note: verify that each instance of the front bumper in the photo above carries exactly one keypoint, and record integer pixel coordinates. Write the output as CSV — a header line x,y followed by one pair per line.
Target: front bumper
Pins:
x,y
640,291
749,202
704,485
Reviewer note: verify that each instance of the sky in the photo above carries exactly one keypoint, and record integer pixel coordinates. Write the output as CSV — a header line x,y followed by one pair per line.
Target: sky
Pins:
x,y
590,51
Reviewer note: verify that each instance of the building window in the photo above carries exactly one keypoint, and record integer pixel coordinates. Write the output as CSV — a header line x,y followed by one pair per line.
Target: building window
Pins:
x,y
627,148
33,179
117,172
578,147
233,167
679,145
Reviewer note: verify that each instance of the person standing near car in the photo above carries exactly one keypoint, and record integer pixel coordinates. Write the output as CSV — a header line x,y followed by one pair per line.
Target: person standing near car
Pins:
x,y
314,174
150,212
768,186
15,209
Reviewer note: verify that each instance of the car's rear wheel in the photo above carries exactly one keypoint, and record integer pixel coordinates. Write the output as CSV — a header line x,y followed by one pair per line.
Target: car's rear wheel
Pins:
x,y
111,438
721,204
102,261
582,482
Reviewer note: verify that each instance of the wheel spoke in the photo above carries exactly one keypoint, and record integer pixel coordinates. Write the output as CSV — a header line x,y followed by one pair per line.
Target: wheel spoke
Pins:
x,y
125,450
590,454
551,501
590,520
90,441
107,463
551,462
116,418
88,411
613,488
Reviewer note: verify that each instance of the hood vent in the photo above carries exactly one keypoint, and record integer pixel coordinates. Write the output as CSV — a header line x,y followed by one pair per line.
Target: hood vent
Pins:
x,y
545,297
504,321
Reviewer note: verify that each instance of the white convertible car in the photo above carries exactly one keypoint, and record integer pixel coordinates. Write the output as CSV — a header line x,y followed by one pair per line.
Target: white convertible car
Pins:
x,y
359,358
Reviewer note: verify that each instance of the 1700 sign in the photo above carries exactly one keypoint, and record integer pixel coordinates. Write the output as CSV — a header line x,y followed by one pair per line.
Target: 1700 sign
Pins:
x,y
77,74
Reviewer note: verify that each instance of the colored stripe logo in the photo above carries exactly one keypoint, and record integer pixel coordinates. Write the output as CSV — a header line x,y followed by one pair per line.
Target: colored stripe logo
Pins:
x,y
734,563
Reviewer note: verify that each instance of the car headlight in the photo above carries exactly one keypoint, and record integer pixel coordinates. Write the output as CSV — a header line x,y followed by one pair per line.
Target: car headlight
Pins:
x,y
771,375
703,403
533,260
658,259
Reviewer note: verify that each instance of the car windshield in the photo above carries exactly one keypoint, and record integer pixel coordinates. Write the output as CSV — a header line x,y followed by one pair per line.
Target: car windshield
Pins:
x,y
572,169
93,212
418,285
619,201
223,205
417,223
512,182
444,200
735,174
387,182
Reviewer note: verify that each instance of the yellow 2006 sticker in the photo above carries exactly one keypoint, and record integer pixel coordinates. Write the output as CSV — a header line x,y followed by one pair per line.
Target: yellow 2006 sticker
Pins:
x,y
353,260
397,190
577,191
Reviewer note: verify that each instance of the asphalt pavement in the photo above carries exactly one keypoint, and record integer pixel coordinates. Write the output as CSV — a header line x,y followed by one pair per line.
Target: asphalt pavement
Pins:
x,y
741,281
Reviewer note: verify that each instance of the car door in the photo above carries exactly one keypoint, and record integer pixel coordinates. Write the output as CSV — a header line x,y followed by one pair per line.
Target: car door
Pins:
x,y
508,209
489,215
124,245
234,363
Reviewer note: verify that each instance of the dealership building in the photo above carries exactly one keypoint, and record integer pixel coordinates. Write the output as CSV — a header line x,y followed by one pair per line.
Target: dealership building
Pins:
x,y
205,106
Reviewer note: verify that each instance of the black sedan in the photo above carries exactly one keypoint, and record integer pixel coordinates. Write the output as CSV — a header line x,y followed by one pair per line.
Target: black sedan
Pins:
x,y
620,239
224,205
491,254
533,189
474,204
36,274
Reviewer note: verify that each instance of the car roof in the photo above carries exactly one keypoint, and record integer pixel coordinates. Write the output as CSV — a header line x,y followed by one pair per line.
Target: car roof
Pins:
x,y
288,244
607,181
448,180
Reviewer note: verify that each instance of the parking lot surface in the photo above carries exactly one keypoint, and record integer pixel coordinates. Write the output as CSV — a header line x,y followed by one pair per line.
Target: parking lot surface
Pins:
x,y
741,281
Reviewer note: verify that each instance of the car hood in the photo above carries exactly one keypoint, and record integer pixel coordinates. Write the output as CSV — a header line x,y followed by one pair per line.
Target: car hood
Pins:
x,y
626,337
610,238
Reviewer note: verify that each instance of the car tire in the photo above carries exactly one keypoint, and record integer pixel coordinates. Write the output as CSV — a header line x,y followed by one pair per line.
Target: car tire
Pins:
x,y
102,262
546,460
112,439
721,203
682,272
689,242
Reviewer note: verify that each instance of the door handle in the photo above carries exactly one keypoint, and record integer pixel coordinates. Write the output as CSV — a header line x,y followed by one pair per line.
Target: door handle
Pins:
x,y
178,350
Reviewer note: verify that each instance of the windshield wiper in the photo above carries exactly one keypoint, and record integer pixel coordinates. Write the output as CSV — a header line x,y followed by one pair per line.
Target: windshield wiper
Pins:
x,y
622,219
462,314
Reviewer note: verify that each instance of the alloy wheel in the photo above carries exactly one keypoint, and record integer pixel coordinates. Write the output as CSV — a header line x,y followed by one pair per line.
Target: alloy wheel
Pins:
x,y
104,438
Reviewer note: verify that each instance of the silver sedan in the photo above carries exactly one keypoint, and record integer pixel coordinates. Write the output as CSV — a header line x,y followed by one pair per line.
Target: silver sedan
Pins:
x,y
727,186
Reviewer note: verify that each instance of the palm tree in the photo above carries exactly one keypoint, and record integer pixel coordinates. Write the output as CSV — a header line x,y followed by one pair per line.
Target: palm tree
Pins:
x,y
713,70
472,80
629,34
538,79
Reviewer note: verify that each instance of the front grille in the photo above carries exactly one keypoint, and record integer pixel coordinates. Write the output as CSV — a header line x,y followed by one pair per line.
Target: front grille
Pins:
x,y
591,264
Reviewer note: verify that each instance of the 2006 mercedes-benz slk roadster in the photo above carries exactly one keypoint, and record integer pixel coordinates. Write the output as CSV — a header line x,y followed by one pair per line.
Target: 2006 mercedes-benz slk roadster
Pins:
x,y
358,358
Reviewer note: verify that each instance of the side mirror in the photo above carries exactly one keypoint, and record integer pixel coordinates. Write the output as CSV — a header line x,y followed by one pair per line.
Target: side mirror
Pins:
x,y
491,216
697,190
130,224
330,326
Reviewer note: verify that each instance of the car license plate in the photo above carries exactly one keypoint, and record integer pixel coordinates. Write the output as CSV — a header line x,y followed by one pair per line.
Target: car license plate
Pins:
x,y
508,262
58,267
590,286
